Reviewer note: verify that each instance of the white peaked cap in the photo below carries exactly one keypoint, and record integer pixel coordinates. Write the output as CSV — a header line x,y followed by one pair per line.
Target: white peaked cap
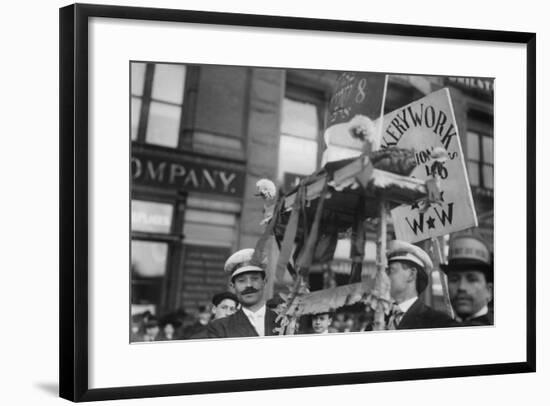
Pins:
x,y
404,251
241,261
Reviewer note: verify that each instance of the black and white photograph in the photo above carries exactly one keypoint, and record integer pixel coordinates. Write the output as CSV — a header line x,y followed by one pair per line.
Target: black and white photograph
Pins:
x,y
270,202
275,203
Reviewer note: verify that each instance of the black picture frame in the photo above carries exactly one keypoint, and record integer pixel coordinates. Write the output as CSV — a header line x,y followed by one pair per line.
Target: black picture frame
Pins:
x,y
74,171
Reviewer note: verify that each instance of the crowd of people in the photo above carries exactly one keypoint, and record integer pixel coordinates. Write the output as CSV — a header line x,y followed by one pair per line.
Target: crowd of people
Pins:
x,y
247,313
181,326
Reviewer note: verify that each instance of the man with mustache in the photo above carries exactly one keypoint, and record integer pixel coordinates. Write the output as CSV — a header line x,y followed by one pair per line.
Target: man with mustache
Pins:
x,y
253,318
408,270
470,279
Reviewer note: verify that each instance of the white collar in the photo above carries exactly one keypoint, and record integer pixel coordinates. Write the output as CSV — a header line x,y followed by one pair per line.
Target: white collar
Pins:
x,y
481,312
257,319
404,306
258,313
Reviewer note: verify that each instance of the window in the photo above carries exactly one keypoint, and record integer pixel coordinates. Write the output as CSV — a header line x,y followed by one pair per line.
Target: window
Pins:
x,y
298,148
149,259
151,247
480,159
157,101
137,80
148,269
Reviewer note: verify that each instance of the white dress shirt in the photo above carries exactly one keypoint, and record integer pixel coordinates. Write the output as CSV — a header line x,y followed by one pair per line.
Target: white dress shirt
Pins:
x,y
257,319
398,312
404,306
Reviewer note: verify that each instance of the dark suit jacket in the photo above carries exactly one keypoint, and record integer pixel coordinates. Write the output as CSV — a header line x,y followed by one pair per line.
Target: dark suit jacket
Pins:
x,y
421,316
238,325
195,331
485,320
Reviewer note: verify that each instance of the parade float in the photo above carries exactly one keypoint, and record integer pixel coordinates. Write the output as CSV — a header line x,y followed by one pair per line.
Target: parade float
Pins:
x,y
407,168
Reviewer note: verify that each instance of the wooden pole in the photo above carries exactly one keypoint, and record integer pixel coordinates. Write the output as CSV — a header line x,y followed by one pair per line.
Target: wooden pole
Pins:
x,y
357,251
438,256
382,238
427,295
381,264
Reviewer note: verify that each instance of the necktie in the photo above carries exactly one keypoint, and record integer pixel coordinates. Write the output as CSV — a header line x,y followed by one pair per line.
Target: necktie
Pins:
x,y
395,317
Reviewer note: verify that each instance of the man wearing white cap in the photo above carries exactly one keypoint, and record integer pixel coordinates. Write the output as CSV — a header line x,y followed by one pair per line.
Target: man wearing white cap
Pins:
x,y
470,276
408,267
248,278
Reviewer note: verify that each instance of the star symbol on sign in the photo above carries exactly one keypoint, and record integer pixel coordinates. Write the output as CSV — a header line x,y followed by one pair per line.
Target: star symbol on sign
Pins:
x,y
415,206
430,222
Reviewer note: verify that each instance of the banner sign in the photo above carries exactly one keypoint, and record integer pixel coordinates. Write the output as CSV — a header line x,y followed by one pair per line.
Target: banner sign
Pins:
x,y
422,126
357,98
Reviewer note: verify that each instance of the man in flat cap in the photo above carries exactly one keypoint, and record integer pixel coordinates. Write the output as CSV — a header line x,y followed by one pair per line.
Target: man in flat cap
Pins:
x,y
248,278
470,278
408,267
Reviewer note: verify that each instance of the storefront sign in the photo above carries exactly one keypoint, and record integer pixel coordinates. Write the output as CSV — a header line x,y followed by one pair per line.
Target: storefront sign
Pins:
x,y
173,173
151,216
422,126
478,84
203,275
